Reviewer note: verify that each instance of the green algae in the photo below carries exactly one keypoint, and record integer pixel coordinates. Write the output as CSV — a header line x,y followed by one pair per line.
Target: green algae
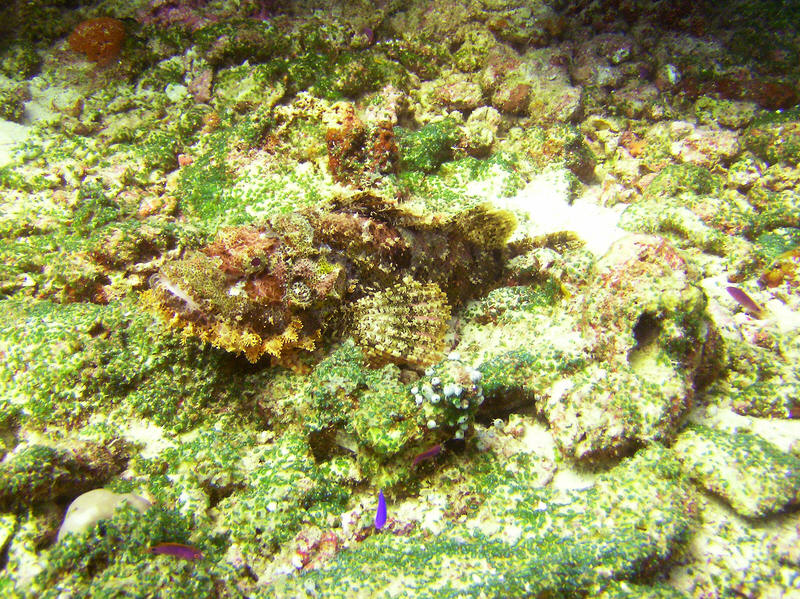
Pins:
x,y
521,375
41,473
464,183
474,50
775,137
66,362
211,458
271,508
344,405
232,41
426,149
774,210
758,382
12,101
385,417
686,201
628,590
777,241
245,87
112,558
159,151
422,59
211,192
350,74
755,477
726,113
559,144
201,184
685,178
94,208
20,61
328,397
563,547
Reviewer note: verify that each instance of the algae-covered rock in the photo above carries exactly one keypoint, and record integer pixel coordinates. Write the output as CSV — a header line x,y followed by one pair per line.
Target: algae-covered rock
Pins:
x,y
425,150
244,87
727,113
536,543
517,379
116,558
775,137
730,556
761,382
269,511
42,473
685,202
629,590
561,144
753,476
13,96
65,362
644,319
381,420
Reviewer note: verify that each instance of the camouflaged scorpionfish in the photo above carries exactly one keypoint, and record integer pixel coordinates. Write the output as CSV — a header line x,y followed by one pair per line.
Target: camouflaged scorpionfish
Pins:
x,y
362,265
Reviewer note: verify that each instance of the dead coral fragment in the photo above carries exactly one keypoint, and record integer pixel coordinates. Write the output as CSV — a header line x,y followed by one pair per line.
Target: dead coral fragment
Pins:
x,y
100,39
403,324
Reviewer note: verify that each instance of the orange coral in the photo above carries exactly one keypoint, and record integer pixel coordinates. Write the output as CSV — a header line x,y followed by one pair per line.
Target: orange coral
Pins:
x,y
100,39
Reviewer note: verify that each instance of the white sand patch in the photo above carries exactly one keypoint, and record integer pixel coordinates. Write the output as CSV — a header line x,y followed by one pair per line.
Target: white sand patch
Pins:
x,y
545,201
38,108
150,436
566,479
11,134
538,439
784,434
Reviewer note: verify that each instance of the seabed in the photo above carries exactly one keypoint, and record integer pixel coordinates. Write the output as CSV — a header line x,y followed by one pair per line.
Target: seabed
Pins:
x,y
524,275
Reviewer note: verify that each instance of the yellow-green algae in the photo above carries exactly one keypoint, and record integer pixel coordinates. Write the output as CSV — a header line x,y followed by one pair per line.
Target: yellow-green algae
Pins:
x,y
755,477
636,514
65,363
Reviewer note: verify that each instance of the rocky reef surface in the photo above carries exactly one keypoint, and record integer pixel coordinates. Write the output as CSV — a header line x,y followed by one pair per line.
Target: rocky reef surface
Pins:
x,y
528,272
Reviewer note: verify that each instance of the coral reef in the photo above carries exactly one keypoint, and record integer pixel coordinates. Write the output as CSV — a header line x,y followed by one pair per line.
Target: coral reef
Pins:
x,y
522,274
755,477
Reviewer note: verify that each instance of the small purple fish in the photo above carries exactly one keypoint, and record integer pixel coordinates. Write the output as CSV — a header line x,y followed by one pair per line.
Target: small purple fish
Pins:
x,y
428,454
380,514
180,550
745,301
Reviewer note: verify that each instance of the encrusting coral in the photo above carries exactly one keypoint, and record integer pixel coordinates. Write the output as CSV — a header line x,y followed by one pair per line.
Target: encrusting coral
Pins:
x,y
99,39
273,288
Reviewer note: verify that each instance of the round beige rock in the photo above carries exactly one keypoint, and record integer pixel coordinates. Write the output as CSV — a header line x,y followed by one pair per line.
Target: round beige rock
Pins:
x,y
96,505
